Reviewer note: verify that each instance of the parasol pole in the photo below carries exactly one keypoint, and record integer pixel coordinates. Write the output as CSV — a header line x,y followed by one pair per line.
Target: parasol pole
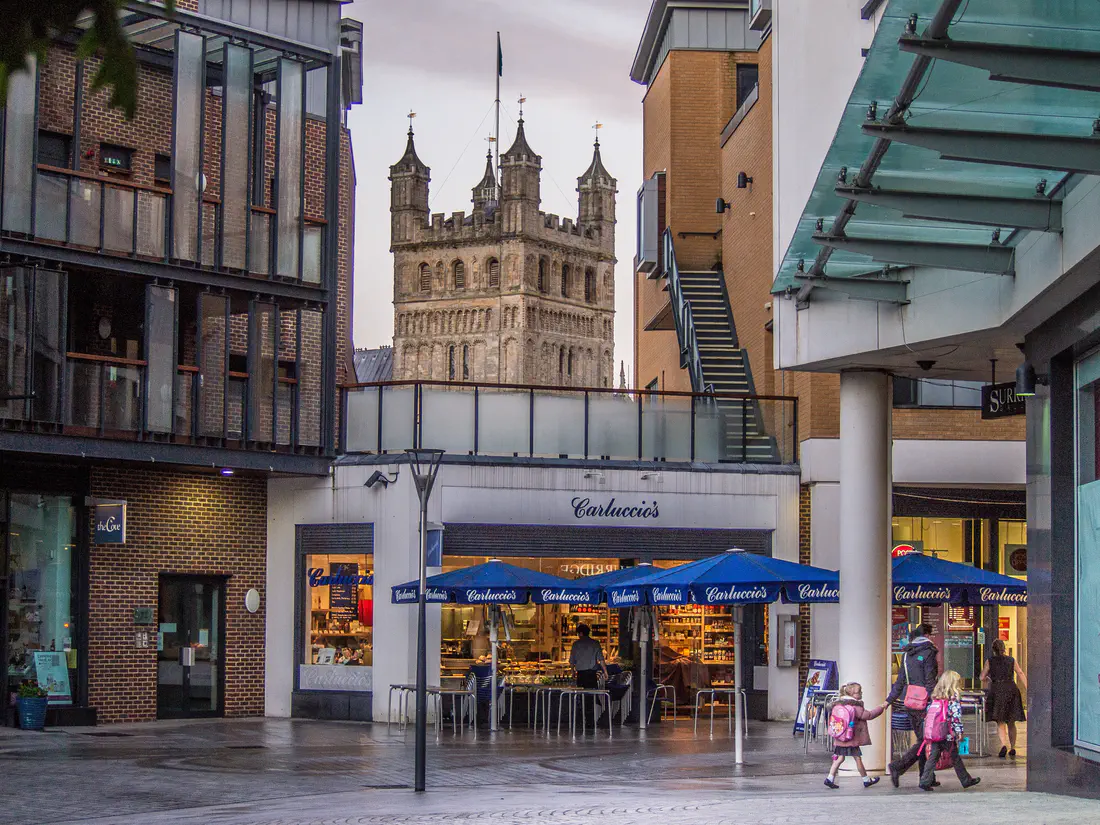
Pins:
x,y
494,611
738,757
643,629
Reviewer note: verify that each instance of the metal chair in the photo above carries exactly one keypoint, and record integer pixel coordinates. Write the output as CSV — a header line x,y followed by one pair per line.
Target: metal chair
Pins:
x,y
663,691
730,693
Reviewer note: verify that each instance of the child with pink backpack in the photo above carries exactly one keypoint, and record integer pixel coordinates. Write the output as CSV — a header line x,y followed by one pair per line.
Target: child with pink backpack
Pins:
x,y
848,728
943,730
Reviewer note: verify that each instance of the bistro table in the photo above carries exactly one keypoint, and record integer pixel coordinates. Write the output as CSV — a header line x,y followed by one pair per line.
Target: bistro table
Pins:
x,y
402,692
459,699
729,693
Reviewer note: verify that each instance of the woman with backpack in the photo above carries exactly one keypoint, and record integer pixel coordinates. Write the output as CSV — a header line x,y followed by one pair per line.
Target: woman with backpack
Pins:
x,y
1004,705
848,727
943,730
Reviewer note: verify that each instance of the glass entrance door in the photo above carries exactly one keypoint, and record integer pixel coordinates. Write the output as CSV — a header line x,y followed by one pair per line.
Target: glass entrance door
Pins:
x,y
190,648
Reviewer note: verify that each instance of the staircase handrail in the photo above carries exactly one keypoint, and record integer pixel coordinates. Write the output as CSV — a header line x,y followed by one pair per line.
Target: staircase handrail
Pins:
x,y
682,316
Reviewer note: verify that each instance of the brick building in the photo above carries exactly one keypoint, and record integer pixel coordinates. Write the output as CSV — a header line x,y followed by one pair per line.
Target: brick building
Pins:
x,y
708,242
174,323
508,293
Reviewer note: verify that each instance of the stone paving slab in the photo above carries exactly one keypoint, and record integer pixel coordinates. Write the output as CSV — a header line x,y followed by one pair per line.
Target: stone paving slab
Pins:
x,y
273,771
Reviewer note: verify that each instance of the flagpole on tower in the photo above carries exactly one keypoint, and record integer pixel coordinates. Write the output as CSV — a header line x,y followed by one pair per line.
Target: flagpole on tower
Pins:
x,y
496,130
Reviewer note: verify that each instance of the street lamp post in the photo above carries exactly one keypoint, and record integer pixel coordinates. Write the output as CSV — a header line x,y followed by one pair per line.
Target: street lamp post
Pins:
x,y
425,467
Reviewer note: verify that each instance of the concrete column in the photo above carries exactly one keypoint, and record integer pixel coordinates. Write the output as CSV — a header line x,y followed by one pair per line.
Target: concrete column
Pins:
x,y
865,508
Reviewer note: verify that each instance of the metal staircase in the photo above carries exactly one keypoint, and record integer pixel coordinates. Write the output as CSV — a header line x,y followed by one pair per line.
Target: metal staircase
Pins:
x,y
712,357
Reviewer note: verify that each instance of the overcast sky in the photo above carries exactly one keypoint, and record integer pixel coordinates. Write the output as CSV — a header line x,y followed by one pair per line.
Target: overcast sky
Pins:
x,y
570,59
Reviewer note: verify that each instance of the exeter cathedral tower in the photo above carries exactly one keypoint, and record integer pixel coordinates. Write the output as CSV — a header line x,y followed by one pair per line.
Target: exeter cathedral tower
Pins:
x,y
506,293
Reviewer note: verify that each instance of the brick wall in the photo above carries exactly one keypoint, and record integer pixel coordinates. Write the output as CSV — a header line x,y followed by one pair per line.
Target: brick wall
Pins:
x,y
176,523
804,557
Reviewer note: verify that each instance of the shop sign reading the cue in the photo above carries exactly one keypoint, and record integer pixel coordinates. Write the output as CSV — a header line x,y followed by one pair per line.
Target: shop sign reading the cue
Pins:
x,y
110,522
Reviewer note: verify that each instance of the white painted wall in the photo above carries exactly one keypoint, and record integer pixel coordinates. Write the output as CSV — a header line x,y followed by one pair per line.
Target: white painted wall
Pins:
x,y
816,54
928,463
496,494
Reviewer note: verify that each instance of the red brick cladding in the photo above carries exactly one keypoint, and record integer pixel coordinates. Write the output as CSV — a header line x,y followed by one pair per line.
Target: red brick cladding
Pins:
x,y
176,523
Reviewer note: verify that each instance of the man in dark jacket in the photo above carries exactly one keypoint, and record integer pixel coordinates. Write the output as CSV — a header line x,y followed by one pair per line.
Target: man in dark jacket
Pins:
x,y
919,666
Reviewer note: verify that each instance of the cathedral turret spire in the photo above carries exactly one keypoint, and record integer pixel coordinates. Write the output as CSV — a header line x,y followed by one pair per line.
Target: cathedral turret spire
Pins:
x,y
486,190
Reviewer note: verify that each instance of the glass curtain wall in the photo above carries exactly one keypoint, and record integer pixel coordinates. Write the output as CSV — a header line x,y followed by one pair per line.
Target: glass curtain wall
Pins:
x,y
32,343
19,149
1087,688
160,354
236,137
213,364
188,180
262,374
290,141
41,641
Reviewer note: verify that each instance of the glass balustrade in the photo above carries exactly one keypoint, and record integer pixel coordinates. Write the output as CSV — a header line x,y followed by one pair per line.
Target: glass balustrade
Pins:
x,y
565,423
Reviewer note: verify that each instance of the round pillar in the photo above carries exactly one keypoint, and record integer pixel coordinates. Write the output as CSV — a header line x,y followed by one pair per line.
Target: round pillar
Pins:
x,y
865,511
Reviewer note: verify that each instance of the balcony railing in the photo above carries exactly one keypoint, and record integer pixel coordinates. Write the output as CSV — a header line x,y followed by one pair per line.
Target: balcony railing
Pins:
x,y
118,217
105,396
557,422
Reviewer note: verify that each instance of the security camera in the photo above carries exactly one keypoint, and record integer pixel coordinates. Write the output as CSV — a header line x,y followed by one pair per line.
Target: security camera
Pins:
x,y
378,477
926,365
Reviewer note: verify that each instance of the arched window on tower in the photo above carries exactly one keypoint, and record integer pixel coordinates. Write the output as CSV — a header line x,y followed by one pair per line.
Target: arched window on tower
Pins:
x,y
543,277
569,365
561,362
465,362
451,363
494,272
425,278
459,271
565,280
590,285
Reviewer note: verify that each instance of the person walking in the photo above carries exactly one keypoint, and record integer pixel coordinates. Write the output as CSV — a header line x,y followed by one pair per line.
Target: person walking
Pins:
x,y
914,683
943,730
848,727
1003,703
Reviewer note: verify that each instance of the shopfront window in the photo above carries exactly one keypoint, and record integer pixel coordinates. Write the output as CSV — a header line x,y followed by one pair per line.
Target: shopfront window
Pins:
x,y
695,648
1012,561
1088,551
338,644
40,539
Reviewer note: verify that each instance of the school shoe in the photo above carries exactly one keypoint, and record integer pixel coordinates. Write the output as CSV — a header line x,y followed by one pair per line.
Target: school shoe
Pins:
x,y
894,775
870,782
831,784
970,783
1003,752
926,787
1012,753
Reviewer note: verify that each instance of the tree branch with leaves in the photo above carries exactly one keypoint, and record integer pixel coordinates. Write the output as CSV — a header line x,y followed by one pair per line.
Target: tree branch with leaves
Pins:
x,y
30,26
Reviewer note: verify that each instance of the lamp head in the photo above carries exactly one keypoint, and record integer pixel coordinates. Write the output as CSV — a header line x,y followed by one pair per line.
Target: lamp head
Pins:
x,y
1025,380
743,180
721,206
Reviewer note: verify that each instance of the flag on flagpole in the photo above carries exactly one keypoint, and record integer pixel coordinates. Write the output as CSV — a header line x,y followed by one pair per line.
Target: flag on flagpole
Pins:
x,y
500,58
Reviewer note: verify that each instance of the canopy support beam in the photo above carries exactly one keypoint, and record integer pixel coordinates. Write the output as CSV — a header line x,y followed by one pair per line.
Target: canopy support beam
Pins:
x,y
1041,213
1063,68
866,289
965,257
1063,152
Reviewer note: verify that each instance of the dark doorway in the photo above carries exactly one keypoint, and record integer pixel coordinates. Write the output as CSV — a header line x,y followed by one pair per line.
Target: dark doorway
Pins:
x,y
191,647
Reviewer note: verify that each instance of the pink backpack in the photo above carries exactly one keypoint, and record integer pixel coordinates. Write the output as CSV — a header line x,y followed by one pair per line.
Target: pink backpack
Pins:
x,y
842,722
935,721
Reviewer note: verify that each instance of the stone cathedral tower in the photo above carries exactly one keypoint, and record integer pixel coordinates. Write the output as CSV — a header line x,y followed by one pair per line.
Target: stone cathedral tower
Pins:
x,y
507,293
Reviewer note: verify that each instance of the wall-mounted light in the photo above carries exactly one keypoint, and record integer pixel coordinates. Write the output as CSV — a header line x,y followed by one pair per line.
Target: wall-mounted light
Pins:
x,y
1025,380
721,206
743,180
227,471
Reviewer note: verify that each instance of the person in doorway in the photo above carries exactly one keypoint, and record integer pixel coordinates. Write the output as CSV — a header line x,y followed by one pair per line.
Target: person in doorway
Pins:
x,y
1003,703
943,730
848,727
918,672
586,657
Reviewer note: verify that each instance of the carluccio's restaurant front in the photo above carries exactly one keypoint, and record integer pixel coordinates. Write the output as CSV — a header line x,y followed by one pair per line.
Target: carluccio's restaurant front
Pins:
x,y
983,528
337,546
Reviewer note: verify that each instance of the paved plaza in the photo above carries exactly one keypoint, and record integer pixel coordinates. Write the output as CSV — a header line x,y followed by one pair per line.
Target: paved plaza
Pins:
x,y
268,771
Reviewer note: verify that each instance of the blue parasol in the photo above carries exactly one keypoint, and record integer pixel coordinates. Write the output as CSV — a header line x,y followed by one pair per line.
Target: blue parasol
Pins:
x,y
921,579
733,577
495,582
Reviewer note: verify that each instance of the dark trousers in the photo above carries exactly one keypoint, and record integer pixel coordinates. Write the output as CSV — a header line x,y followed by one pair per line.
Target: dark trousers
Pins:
x,y
913,756
928,772
589,680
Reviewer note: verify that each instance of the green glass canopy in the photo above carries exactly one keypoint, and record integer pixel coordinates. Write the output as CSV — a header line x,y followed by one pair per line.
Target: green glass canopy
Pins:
x,y
936,162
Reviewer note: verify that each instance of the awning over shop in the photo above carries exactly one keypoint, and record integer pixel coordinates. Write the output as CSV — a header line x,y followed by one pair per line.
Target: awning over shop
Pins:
x,y
965,125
